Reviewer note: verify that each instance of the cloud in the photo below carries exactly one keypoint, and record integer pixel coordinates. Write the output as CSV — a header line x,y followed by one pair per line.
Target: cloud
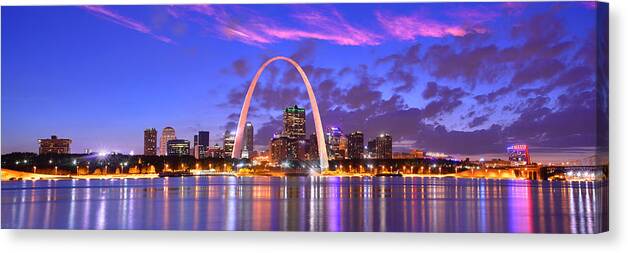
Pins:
x,y
539,69
329,24
574,125
403,68
127,22
445,99
240,67
485,96
305,51
473,65
477,121
478,15
411,27
438,138
245,25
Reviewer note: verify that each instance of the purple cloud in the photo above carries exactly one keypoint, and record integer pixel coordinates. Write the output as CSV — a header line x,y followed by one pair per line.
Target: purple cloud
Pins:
x,y
539,69
240,67
413,26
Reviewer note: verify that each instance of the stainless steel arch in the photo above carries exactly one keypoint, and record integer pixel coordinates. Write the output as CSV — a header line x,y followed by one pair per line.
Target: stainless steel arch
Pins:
x,y
320,138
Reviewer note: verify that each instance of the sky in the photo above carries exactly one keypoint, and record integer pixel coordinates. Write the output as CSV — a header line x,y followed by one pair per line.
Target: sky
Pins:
x,y
466,79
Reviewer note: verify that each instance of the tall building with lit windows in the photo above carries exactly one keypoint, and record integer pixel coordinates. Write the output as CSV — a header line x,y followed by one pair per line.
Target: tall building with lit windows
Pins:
x,y
150,141
201,143
294,122
381,147
336,143
228,142
356,145
248,137
166,135
178,147
282,148
313,147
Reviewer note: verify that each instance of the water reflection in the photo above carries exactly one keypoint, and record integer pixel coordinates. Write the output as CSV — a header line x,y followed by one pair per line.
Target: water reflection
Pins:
x,y
309,204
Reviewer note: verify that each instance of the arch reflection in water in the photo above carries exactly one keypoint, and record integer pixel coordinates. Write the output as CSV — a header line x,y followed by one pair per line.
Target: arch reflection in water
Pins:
x,y
308,204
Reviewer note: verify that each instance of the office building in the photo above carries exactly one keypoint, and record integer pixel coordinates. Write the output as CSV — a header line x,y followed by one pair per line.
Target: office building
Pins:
x,y
356,145
215,151
178,147
150,141
228,141
313,147
54,145
280,148
333,139
248,138
294,122
166,135
201,143
203,138
381,147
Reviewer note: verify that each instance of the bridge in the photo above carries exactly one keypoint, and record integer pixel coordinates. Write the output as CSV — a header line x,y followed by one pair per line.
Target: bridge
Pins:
x,y
582,172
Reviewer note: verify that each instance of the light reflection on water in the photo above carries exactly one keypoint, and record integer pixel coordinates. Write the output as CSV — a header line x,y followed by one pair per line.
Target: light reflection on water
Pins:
x,y
308,204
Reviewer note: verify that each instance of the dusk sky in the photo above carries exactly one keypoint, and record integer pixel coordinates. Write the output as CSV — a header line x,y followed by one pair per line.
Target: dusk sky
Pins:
x,y
461,78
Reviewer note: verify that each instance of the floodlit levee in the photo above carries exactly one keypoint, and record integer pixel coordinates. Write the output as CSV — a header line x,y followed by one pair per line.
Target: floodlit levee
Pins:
x,y
320,138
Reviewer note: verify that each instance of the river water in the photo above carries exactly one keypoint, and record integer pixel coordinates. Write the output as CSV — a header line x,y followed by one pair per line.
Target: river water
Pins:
x,y
408,204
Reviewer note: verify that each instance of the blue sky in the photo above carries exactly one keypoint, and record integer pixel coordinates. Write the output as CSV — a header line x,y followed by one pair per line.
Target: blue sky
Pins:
x,y
437,76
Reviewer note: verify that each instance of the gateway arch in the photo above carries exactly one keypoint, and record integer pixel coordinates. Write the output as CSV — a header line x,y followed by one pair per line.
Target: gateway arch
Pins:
x,y
320,137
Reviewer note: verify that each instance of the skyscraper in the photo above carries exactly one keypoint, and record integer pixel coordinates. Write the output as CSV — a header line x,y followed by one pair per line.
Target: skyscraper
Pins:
x,y
343,146
356,145
150,141
313,147
228,141
283,148
294,122
333,140
370,147
381,147
203,138
201,143
248,137
166,135
215,151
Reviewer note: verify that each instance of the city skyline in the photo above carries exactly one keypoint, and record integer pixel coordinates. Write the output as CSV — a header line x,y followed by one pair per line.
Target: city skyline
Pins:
x,y
457,117
377,74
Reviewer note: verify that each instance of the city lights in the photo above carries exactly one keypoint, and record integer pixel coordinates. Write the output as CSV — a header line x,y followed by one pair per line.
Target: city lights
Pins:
x,y
413,117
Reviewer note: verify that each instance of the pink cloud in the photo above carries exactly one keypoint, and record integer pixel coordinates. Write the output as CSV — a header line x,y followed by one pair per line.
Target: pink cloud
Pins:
x,y
244,25
127,22
334,27
413,26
